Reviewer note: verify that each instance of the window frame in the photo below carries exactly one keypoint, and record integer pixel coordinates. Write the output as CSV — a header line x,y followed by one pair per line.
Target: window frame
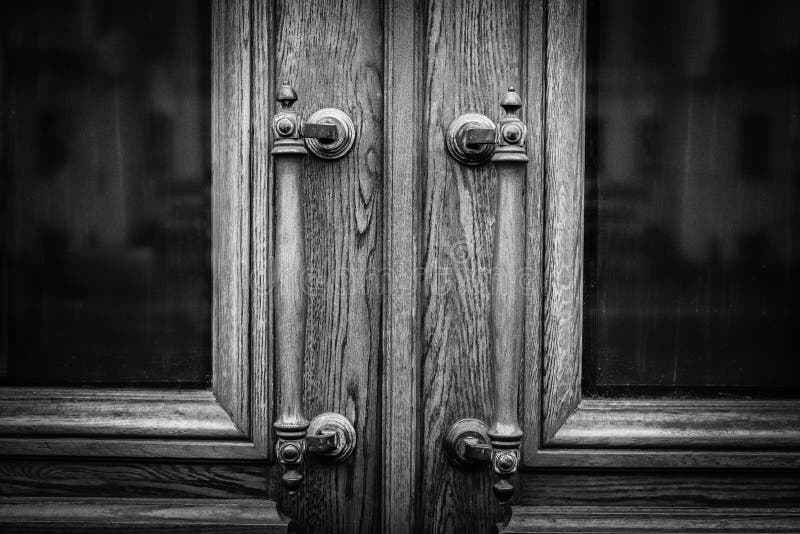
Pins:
x,y
563,428
232,419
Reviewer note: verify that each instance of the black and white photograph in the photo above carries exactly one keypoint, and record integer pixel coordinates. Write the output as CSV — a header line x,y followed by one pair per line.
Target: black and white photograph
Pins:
x,y
400,266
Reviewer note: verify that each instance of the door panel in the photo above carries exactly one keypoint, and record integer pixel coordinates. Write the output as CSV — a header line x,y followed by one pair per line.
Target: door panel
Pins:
x,y
472,54
333,56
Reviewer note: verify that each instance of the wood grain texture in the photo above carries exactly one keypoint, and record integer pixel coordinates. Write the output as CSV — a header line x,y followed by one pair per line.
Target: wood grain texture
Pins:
x,y
230,206
471,56
262,209
640,519
124,479
533,115
682,424
139,515
570,424
331,53
720,488
114,413
563,283
401,320
663,459
131,448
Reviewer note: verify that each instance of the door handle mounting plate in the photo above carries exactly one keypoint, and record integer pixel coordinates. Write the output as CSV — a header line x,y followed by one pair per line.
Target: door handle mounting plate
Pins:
x,y
330,147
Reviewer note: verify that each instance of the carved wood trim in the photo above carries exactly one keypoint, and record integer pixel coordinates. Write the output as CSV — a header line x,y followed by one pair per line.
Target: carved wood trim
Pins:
x,y
140,515
687,424
601,519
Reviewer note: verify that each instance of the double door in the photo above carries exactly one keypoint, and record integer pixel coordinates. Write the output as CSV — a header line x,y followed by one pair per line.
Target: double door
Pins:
x,y
566,307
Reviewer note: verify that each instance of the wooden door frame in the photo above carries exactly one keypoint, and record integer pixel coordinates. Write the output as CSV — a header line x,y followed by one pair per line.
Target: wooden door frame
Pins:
x,y
563,429
400,425
232,419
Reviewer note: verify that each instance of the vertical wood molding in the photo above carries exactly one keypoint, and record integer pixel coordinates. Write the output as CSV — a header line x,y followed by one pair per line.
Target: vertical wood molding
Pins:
x,y
400,428
563,282
261,326
331,54
230,206
471,52
533,113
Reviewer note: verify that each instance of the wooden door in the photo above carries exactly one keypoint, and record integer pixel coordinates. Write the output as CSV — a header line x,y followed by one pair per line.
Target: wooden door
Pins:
x,y
399,240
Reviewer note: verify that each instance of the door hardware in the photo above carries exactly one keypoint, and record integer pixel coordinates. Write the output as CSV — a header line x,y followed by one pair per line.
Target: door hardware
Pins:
x,y
329,133
332,436
470,138
469,141
467,444
326,133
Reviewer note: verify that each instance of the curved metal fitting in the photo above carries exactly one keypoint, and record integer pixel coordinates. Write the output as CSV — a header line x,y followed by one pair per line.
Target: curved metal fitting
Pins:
x,y
331,438
467,444
329,133
471,138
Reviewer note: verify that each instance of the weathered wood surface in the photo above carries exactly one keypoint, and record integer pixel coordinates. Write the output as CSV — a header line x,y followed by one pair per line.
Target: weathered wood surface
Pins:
x,y
401,345
139,515
685,424
471,55
331,54
620,520
114,412
131,448
563,247
669,488
262,214
664,459
533,116
145,479
230,207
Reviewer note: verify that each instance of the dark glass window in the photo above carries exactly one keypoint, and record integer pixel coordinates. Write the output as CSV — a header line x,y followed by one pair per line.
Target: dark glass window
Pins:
x,y
692,213
106,273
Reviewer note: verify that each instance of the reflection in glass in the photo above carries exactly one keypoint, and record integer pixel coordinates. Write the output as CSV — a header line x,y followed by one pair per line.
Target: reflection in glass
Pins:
x,y
693,173
106,272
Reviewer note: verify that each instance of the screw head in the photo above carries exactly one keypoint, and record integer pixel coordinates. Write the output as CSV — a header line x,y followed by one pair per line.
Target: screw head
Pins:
x,y
285,126
291,452
512,133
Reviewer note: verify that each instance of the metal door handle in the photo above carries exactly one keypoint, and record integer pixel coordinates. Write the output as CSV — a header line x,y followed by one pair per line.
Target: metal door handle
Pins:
x,y
330,135
470,141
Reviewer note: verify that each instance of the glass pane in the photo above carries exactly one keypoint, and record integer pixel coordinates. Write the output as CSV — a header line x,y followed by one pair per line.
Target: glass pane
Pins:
x,y
692,180
106,272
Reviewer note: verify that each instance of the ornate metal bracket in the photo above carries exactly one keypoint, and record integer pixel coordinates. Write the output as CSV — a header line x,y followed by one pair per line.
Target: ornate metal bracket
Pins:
x,y
507,301
332,435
